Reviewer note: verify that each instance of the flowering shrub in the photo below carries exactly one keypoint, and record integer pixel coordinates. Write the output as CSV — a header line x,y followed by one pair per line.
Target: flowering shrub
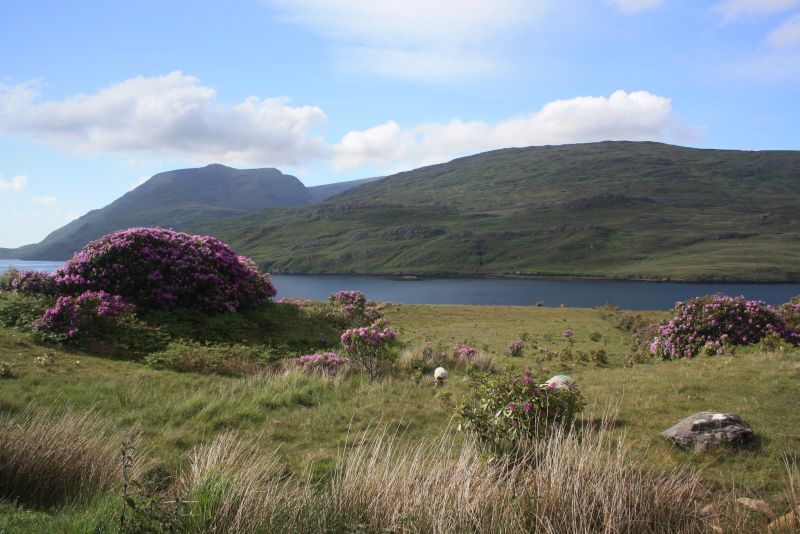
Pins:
x,y
71,315
790,313
515,348
6,370
709,324
370,347
423,358
505,412
326,362
464,352
355,308
163,269
27,282
569,335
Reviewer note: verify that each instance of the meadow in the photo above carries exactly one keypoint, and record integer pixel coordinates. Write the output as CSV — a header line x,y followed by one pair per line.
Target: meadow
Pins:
x,y
338,453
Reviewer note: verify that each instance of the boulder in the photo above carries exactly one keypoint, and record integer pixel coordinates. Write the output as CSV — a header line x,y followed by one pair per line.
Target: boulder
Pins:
x,y
705,430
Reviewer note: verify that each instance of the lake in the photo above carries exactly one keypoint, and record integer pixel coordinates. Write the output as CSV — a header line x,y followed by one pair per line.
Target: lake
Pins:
x,y
574,293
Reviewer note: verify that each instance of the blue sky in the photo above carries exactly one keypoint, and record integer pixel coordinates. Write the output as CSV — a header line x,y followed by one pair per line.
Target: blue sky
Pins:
x,y
96,96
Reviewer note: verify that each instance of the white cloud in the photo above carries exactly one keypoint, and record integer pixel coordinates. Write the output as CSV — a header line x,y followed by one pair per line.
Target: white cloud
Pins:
x,y
635,6
46,200
415,39
787,34
166,115
632,116
731,9
17,183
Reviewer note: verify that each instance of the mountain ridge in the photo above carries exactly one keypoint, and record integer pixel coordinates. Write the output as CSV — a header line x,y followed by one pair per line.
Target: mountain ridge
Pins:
x,y
178,199
613,209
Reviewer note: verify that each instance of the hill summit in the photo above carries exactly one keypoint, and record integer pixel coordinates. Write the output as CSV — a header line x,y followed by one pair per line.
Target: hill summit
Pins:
x,y
178,199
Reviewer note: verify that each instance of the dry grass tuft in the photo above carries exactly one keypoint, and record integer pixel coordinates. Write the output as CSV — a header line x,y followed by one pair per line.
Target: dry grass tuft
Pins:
x,y
48,458
572,482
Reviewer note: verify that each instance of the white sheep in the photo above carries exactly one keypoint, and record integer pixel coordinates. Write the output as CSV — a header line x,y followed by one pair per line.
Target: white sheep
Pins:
x,y
440,374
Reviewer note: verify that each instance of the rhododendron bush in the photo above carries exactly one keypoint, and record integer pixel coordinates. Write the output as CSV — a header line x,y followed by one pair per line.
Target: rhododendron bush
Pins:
x,y
70,315
709,324
508,411
370,347
324,362
33,282
164,269
355,308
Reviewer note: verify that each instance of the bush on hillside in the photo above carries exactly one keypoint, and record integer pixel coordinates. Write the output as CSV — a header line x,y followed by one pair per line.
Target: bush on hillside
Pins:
x,y
355,309
505,412
89,310
210,358
328,363
712,323
28,282
370,348
163,269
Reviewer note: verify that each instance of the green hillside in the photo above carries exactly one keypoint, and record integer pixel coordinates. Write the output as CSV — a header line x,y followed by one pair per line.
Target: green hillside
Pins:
x,y
611,209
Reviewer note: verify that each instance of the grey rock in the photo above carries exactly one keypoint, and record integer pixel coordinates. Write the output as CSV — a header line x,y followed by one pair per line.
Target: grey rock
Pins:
x,y
706,430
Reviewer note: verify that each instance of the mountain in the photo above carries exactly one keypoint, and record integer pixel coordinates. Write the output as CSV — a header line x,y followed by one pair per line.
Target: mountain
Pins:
x,y
610,209
178,199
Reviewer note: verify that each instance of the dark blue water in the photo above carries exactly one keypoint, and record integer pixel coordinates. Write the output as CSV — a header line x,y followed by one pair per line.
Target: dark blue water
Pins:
x,y
575,293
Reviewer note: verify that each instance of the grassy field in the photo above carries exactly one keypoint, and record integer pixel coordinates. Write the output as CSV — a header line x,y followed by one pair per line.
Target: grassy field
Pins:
x,y
306,421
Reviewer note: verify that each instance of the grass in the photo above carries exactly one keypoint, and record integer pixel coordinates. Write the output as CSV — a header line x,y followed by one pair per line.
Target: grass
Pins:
x,y
310,429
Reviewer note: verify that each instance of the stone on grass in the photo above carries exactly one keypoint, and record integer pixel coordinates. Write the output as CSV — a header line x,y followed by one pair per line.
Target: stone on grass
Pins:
x,y
706,430
561,382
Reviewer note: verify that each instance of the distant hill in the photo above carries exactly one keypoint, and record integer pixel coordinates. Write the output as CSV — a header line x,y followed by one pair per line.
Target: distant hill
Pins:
x,y
178,199
610,209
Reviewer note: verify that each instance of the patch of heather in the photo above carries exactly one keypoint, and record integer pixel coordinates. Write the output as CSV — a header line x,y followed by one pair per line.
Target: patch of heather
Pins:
x,y
710,324
30,282
72,315
465,352
355,308
326,362
163,269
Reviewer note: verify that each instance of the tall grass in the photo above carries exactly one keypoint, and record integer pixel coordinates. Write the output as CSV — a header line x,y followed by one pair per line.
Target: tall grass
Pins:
x,y
570,482
49,458
578,482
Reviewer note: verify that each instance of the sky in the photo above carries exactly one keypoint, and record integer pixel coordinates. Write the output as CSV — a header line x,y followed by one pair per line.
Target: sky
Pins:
x,y
97,96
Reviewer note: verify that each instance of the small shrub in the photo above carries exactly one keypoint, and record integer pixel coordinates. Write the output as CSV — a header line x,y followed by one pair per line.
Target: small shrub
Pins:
x,y
464,352
22,310
322,362
6,370
599,357
596,337
569,336
45,360
370,348
193,356
162,269
29,282
423,358
506,412
355,309
89,310
710,324
515,348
